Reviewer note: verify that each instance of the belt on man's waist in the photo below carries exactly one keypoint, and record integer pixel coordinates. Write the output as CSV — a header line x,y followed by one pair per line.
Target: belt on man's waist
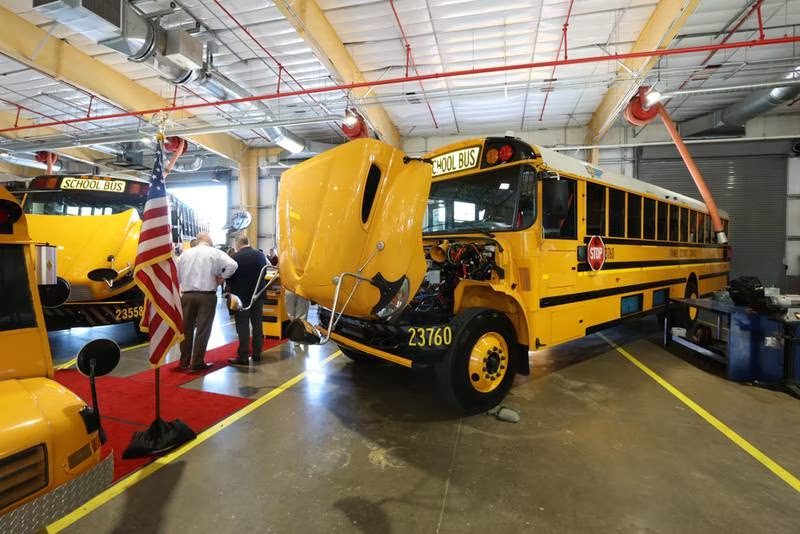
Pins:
x,y
202,292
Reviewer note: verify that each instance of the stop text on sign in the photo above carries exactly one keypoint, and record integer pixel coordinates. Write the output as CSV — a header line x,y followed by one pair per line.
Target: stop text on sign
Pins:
x,y
458,160
93,184
595,253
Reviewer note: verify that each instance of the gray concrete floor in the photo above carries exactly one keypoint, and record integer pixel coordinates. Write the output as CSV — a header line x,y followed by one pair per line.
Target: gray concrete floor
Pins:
x,y
372,448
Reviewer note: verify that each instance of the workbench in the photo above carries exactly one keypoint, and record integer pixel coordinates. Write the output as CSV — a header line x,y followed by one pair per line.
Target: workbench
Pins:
x,y
754,346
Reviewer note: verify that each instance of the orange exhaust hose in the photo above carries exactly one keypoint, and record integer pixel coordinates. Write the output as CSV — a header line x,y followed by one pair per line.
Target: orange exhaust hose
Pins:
x,y
51,159
178,153
719,229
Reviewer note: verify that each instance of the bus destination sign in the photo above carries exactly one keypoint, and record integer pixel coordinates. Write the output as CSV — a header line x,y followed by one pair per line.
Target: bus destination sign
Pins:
x,y
84,183
458,160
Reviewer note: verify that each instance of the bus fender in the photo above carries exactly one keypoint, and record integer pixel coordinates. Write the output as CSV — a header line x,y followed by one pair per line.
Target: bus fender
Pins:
x,y
478,295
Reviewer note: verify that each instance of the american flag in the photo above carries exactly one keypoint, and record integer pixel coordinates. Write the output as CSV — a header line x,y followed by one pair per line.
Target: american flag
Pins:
x,y
155,271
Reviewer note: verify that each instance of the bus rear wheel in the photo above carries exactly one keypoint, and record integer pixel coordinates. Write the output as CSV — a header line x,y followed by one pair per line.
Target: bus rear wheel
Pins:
x,y
478,369
685,316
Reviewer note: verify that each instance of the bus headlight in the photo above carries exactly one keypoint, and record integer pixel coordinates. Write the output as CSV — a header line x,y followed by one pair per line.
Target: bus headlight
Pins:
x,y
397,303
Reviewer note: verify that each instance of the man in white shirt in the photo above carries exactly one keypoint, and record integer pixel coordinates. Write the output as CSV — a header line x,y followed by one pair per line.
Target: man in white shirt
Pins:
x,y
200,270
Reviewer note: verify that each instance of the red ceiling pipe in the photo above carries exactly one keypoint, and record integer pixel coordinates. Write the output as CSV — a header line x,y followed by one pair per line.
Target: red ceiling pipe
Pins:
x,y
410,58
562,43
267,52
432,76
711,54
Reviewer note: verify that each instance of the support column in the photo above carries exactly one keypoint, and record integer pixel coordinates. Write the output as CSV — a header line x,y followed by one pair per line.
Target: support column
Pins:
x,y
248,190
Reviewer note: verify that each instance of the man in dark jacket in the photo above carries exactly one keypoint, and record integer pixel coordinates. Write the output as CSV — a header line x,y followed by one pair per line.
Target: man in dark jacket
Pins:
x,y
245,281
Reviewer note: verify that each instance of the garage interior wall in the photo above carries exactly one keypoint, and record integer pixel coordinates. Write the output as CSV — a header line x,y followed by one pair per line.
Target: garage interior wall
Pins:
x,y
737,175
267,216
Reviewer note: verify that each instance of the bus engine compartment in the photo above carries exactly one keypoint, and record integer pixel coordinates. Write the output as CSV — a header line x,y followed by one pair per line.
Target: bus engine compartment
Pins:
x,y
448,263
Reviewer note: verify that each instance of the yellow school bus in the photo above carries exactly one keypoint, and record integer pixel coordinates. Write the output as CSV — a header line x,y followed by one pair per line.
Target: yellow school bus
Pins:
x,y
94,221
50,446
480,251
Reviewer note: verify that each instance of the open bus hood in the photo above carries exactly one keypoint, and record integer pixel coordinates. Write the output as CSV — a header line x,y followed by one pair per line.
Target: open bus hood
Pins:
x,y
322,234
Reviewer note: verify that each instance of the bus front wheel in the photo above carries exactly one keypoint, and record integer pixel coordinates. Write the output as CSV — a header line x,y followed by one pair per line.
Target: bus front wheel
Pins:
x,y
478,369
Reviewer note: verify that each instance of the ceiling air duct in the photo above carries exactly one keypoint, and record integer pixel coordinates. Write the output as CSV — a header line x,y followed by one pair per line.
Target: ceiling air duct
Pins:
x,y
731,120
173,53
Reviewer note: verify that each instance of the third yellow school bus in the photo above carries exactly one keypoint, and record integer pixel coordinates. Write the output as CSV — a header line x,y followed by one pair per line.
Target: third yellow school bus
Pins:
x,y
482,250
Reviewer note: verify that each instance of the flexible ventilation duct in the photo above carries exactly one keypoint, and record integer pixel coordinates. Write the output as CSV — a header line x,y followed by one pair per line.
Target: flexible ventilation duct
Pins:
x,y
732,119
173,53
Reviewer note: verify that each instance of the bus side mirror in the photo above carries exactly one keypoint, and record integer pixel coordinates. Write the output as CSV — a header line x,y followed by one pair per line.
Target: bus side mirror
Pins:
x,y
97,358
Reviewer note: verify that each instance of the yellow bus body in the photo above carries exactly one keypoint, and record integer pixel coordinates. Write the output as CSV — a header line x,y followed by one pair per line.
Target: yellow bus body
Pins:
x,y
542,285
49,461
97,240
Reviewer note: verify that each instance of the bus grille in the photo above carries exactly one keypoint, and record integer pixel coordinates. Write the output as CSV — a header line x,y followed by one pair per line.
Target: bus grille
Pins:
x,y
79,293
22,474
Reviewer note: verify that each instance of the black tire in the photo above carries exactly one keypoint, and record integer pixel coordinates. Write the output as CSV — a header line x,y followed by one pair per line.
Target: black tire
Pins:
x,y
356,355
461,386
684,316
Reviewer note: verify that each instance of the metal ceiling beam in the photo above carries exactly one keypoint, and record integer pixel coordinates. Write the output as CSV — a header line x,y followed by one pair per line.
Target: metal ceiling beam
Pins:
x,y
313,27
8,119
30,45
664,23
16,170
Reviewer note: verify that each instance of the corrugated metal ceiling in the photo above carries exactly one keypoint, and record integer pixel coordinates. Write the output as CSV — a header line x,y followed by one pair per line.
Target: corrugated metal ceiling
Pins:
x,y
444,35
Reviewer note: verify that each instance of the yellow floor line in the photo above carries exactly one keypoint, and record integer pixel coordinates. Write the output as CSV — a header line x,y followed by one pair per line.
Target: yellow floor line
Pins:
x,y
134,347
165,460
724,429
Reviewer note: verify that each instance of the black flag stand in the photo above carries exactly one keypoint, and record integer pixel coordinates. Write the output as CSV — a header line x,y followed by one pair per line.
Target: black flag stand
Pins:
x,y
162,436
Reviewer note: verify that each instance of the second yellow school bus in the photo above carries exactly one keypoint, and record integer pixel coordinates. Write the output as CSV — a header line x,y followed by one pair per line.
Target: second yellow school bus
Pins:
x,y
467,258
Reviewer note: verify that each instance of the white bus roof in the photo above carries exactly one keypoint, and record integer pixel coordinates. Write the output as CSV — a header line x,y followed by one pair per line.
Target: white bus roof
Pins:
x,y
560,162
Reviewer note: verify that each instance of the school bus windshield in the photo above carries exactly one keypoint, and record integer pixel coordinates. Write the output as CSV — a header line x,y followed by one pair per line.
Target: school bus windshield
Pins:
x,y
59,202
496,200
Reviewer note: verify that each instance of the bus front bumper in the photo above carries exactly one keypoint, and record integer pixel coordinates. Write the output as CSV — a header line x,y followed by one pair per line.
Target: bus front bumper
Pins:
x,y
35,515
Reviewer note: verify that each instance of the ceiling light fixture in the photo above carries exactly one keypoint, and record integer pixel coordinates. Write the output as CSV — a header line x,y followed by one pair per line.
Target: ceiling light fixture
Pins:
x,y
652,98
350,119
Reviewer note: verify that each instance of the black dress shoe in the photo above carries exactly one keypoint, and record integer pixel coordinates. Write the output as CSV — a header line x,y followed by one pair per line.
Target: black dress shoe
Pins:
x,y
238,361
201,367
256,358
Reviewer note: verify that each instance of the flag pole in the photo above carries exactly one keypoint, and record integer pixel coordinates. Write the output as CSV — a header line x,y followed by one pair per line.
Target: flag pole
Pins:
x,y
158,393
162,436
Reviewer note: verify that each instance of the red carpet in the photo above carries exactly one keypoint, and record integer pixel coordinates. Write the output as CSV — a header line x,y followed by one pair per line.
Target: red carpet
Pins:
x,y
173,376
128,404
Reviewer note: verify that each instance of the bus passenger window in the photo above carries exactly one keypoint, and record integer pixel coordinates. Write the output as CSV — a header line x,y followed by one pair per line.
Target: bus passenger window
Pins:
x,y
616,213
649,218
662,221
673,222
634,216
595,209
558,209
684,224
692,227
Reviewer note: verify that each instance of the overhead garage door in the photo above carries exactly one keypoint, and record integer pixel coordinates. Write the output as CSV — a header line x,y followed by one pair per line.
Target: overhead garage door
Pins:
x,y
748,180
